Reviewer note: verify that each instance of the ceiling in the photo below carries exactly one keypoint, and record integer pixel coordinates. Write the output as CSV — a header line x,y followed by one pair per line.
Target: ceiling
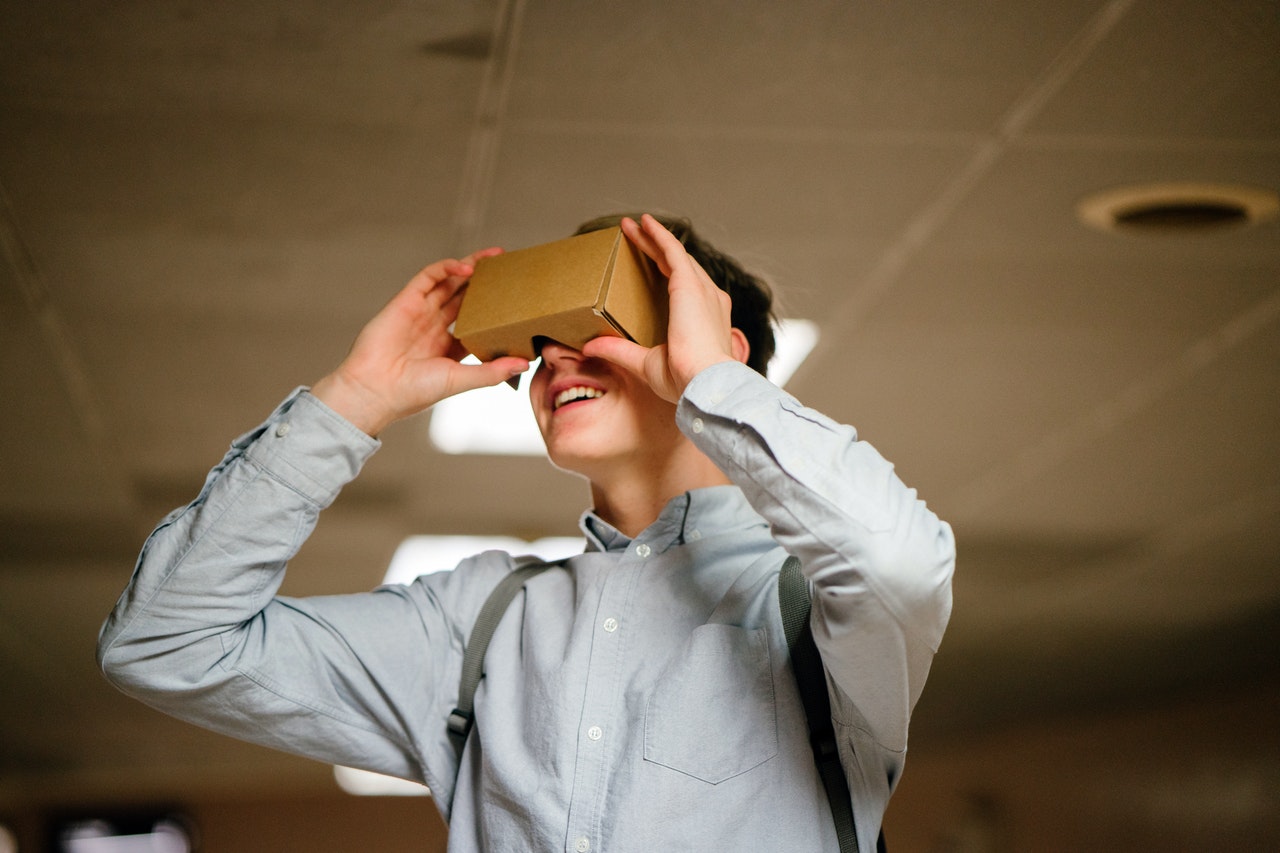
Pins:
x,y
200,204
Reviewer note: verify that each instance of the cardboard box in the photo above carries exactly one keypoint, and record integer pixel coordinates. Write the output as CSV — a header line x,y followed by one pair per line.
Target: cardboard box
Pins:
x,y
570,291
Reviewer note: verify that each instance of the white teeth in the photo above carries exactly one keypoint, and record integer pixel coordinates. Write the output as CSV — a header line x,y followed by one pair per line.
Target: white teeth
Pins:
x,y
577,392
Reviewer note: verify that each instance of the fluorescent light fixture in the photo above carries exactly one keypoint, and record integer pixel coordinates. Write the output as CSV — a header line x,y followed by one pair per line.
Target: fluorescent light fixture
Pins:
x,y
498,420
421,555
363,783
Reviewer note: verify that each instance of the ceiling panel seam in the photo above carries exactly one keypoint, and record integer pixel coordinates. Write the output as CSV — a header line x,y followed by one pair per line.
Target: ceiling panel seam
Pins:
x,y
1058,446
925,224
63,353
486,132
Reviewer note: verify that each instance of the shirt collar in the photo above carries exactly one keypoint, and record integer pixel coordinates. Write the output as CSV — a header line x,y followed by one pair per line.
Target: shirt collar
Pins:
x,y
687,517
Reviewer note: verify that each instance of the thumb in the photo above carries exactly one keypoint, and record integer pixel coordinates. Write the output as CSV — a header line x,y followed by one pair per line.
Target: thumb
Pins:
x,y
468,377
626,354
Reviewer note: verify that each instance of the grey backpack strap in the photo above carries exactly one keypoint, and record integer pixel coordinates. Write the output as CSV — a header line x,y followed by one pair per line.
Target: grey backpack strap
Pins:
x,y
793,602
473,659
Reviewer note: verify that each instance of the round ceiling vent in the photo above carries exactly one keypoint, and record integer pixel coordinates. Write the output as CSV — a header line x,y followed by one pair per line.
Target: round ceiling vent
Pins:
x,y
1176,207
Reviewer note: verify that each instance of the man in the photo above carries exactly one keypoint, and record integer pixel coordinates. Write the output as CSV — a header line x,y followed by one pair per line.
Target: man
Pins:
x,y
639,699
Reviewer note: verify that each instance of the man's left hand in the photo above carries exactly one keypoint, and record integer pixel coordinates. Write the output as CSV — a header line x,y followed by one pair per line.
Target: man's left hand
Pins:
x,y
699,329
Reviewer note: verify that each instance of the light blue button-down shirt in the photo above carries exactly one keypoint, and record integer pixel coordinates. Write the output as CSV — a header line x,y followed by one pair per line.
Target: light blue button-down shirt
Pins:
x,y
638,699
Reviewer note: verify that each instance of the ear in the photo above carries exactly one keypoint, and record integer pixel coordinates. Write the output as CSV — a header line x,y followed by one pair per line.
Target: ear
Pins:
x,y
738,345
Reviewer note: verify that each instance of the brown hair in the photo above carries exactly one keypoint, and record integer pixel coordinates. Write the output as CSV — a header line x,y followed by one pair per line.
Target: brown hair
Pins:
x,y
752,298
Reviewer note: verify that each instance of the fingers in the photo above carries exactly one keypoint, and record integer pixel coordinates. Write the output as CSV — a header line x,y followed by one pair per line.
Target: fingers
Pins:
x,y
699,327
471,259
626,354
468,377
435,273
443,280
652,237
642,240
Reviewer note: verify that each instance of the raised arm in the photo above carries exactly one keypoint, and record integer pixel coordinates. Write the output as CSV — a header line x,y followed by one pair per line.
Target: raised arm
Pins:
x,y
199,631
406,360
879,560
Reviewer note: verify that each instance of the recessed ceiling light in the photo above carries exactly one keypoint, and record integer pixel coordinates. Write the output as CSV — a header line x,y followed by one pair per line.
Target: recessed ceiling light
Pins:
x,y
1176,207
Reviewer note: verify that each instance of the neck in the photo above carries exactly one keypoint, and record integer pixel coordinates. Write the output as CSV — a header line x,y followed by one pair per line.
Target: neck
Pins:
x,y
631,499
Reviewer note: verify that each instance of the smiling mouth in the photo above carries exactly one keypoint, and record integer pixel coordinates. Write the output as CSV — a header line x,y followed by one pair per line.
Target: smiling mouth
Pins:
x,y
575,394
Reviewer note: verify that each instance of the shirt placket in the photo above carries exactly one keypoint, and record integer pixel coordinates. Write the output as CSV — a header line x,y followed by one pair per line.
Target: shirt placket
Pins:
x,y
602,712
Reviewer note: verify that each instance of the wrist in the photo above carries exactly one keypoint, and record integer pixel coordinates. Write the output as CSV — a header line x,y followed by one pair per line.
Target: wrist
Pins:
x,y
354,401
702,365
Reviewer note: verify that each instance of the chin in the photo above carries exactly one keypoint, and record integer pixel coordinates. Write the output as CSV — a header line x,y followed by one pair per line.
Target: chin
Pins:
x,y
575,461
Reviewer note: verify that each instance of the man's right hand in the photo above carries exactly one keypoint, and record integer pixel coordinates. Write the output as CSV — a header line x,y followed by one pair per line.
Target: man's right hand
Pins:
x,y
405,359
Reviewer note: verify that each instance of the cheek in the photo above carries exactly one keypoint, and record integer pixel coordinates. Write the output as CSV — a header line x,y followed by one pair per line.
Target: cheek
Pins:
x,y
644,423
647,409
537,392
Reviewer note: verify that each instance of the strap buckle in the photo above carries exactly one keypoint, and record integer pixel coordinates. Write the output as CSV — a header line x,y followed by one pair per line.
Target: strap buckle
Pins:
x,y
460,723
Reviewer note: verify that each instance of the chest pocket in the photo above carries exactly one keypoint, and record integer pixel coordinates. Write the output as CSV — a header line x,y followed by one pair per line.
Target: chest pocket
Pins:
x,y
712,714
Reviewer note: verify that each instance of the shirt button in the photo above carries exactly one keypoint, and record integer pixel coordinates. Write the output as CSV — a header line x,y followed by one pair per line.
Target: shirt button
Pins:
x,y
582,845
694,535
611,624
282,429
595,733
643,550
697,424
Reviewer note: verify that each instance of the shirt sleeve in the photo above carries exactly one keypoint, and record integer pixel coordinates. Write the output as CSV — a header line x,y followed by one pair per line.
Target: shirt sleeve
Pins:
x,y
879,561
200,633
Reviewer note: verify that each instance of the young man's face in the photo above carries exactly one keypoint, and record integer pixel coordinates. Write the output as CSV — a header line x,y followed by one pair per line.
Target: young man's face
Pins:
x,y
595,416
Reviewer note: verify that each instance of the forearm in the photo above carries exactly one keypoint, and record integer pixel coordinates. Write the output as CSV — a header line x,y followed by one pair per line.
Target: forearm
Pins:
x,y
213,566
880,561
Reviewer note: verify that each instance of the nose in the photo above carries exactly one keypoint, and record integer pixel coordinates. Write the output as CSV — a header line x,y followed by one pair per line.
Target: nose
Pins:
x,y
555,354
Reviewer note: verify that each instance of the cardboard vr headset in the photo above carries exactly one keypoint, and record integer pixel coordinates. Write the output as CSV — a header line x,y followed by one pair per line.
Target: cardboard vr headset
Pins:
x,y
569,291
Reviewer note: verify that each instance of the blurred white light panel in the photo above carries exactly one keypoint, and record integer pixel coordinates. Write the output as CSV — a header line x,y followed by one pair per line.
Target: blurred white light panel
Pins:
x,y
422,555
499,420
99,837
362,783
794,340
494,420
